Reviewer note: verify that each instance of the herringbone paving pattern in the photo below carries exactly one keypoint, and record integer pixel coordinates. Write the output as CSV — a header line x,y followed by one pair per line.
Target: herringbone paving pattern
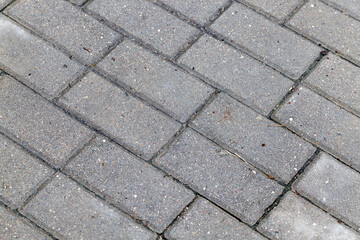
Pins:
x,y
179,119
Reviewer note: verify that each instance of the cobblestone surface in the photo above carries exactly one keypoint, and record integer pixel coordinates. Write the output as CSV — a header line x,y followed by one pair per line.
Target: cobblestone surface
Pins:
x,y
192,119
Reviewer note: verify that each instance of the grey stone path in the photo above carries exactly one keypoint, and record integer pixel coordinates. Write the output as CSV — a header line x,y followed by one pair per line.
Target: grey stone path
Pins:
x,y
180,119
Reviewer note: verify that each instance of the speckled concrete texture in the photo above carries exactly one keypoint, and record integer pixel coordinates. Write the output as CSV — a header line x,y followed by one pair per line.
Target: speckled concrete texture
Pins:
x,y
179,119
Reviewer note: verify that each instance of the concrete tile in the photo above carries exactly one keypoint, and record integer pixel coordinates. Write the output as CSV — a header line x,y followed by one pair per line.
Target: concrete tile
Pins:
x,y
33,61
167,86
206,221
220,177
350,7
69,212
278,9
238,74
133,185
148,22
279,47
295,218
323,123
20,173
200,11
121,116
61,22
338,80
38,125
14,227
334,186
3,3
258,140
330,27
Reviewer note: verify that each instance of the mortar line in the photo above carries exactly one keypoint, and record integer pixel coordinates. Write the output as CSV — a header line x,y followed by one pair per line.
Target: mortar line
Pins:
x,y
26,220
7,5
294,11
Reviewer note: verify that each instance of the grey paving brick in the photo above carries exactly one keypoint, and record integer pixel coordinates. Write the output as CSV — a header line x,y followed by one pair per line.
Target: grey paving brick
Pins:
x,y
66,25
14,227
278,9
168,87
334,186
3,3
330,27
35,62
258,140
243,77
69,212
322,122
200,11
119,115
295,218
206,221
20,173
146,21
270,42
133,185
350,7
338,80
221,177
37,124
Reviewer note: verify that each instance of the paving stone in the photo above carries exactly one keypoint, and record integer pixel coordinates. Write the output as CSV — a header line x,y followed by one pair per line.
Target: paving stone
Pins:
x,y
35,62
295,218
133,185
206,221
330,27
69,212
3,3
173,90
334,186
258,140
37,124
20,173
13,227
323,123
220,177
278,9
350,7
121,116
270,42
200,11
243,77
146,21
338,80
63,23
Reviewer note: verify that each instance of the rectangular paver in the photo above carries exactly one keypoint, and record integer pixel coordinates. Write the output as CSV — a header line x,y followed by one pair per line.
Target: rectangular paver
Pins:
x,y
255,138
278,9
3,3
334,186
69,212
322,122
37,124
167,86
238,74
338,80
35,62
20,173
200,11
350,7
63,23
14,227
146,21
219,176
270,42
295,218
130,183
121,116
329,27
206,221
